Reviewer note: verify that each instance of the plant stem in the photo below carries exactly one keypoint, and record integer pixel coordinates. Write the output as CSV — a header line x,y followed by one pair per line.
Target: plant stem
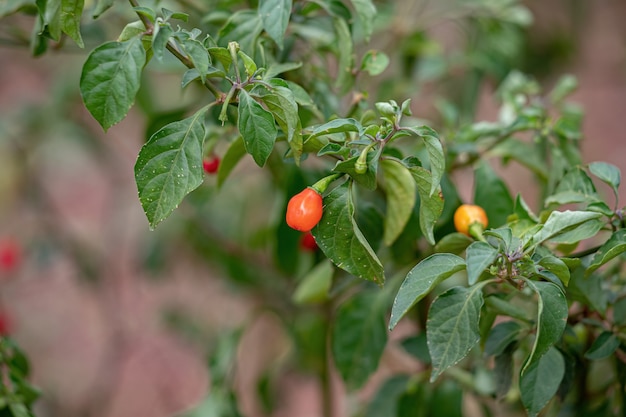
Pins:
x,y
171,46
328,400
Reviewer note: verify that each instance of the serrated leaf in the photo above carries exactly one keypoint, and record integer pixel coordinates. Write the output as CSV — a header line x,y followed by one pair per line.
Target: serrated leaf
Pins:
x,y
452,326
541,381
607,173
431,204
110,80
169,167
359,337
275,17
501,336
421,280
551,319
480,256
374,62
604,346
341,240
366,11
257,127
281,102
314,287
401,192
492,194
561,222
231,158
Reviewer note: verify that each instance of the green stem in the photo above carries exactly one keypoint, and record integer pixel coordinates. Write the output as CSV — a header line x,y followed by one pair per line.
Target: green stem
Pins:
x,y
322,184
171,46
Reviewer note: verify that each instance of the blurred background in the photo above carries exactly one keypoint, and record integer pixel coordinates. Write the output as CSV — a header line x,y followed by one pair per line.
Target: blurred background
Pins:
x,y
121,321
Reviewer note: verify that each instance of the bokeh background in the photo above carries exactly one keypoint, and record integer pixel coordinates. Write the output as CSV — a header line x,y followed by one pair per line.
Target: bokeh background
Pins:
x,y
118,320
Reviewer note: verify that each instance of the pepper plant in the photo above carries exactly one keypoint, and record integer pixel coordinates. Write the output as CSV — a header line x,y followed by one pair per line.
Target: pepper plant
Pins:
x,y
523,314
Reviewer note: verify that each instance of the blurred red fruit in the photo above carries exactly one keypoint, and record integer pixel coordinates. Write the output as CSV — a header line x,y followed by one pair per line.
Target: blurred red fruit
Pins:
x,y
6,325
211,164
307,242
10,255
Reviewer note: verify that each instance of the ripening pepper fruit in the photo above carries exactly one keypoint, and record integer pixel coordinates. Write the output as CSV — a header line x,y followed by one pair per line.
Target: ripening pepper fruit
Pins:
x,y
470,220
308,243
211,164
304,210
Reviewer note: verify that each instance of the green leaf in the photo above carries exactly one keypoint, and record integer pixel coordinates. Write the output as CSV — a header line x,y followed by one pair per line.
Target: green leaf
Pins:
x,y
436,156
366,11
374,62
400,190
337,126
162,35
453,243
198,54
607,173
169,167
345,50
341,240
248,63
421,280
110,80
564,87
385,402
541,381
281,102
604,346
368,179
501,336
568,227
574,187
551,319
452,326
274,15
231,158
492,194
557,267
314,287
257,127
9,7
71,12
480,256
431,204
359,337
243,26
